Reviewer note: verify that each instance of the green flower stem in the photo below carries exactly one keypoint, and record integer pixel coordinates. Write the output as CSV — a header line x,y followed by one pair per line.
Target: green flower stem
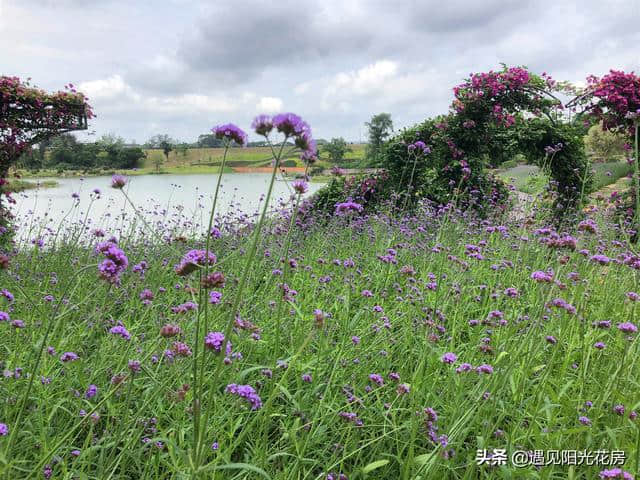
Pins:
x,y
197,391
238,296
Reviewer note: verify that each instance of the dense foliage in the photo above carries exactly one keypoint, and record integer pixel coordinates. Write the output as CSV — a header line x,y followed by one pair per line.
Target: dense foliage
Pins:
x,y
614,100
604,145
66,153
379,128
494,117
336,149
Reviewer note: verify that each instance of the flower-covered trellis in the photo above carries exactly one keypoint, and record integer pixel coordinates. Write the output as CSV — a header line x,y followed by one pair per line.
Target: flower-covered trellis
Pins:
x,y
498,114
29,115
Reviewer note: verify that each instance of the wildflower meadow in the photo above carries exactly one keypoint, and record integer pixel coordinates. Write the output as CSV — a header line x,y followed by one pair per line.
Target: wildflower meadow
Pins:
x,y
417,323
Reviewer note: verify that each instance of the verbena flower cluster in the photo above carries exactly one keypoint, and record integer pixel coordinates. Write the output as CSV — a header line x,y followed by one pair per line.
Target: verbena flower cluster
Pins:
x,y
115,264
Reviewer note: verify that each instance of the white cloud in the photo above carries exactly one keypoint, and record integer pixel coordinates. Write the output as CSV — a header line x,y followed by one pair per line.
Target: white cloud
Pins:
x,y
365,80
269,105
385,85
114,94
107,88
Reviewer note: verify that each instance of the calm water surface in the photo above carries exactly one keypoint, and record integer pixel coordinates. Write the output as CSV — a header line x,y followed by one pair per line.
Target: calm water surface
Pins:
x,y
161,199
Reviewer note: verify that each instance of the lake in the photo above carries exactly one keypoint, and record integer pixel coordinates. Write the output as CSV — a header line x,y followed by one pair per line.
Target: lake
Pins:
x,y
177,201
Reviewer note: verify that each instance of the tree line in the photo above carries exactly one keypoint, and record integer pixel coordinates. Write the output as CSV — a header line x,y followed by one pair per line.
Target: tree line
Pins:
x,y
65,152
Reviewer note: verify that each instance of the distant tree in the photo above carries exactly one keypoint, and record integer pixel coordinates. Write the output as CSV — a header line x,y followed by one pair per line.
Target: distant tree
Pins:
x,y
30,160
209,140
336,149
63,148
42,148
259,143
111,140
380,128
183,149
166,150
130,157
156,141
604,145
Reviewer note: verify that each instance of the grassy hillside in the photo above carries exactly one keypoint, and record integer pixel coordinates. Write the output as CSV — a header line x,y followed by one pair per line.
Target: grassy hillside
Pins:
x,y
206,160
240,157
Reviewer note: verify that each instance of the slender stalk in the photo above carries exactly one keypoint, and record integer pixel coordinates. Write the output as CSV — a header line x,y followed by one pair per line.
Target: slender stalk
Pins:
x,y
241,286
636,179
36,366
197,389
410,186
287,267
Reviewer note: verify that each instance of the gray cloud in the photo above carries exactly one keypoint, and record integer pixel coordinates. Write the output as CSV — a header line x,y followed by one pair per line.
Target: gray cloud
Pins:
x,y
238,41
182,66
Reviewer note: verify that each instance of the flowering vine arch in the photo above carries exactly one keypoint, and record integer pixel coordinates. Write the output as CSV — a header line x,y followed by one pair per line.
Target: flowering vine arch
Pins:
x,y
498,114
29,115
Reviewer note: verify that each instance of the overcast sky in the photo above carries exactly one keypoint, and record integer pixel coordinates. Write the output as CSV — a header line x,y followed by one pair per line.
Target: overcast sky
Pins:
x,y
181,67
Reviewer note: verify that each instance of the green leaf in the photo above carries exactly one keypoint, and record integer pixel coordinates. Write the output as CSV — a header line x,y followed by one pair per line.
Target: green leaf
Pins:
x,y
374,465
422,459
242,466
501,355
538,368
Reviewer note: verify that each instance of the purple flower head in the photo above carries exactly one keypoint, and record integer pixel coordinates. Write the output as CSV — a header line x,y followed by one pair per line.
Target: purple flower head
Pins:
x,y
306,377
214,340
300,186
146,294
115,263
247,392
290,124
7,294
68,357
627,327
347,207
120,330
215,297
488,369
262,124
601,259
542,277
618,409
134,366
4,430
230,131
616,473
403,389
465,367
377,379
449,357
584,420
91,392
192,260
118,181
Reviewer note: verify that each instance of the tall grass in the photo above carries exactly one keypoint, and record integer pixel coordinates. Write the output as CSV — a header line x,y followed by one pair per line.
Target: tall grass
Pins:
x,y
442,288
